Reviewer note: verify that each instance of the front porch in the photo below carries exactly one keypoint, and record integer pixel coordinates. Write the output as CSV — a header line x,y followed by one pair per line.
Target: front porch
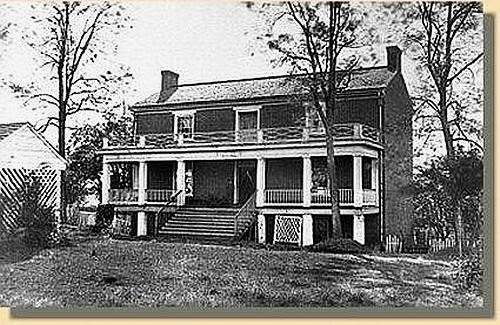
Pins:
x,y
277,182
280,187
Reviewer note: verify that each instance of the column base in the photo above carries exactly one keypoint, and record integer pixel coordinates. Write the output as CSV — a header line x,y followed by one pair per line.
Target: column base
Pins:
x,y
359,228
307,230
261,229
142,224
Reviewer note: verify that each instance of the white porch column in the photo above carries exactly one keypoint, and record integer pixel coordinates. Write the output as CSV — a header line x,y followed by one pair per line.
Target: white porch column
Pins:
x,y
359,227
307,230
105,181
143,181
181,182
357,181
306,180
135,176
142,223
261,229
236,191
375,184
261,181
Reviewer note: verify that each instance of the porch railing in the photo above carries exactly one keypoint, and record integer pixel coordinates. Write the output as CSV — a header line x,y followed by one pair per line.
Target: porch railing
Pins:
x,y
245,216
123,195
154,195
369,196
280,196
256,136
346,196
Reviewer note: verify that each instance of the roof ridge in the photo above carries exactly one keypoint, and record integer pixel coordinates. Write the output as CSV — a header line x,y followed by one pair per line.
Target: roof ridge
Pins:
x,y
14,123
265,77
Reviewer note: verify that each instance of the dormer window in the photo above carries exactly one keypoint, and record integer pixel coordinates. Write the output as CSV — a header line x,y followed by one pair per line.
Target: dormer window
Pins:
x,y
184,124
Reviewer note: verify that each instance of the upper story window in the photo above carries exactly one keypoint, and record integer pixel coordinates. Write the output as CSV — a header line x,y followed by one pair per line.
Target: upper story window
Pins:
x,y
313,119
247,123
184,124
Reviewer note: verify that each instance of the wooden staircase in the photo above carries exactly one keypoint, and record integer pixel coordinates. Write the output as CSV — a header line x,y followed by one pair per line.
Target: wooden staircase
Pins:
x,y
201,223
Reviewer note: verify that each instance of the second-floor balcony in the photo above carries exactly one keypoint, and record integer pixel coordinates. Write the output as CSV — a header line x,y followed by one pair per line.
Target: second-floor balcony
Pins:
x,y
342,132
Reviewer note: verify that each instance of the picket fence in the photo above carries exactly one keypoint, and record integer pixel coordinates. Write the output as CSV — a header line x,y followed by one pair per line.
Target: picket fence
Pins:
x,y
394,244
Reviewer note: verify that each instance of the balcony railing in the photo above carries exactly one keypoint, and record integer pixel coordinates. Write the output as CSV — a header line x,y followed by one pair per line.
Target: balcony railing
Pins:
x,y
123,195
159,195
354,131
346,196
370,197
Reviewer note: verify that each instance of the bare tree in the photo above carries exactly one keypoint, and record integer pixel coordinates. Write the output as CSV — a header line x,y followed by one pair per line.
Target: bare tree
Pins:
x,y
70,37
313,43
440,41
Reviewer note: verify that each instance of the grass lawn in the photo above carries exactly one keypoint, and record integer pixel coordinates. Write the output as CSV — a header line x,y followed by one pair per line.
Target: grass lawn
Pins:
x,y
109,273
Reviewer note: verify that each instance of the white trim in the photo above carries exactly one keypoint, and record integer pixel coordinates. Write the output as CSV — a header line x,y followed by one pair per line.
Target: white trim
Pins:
x,y
315,211
190,114
347,148
184,112
246,109
242,153
236,190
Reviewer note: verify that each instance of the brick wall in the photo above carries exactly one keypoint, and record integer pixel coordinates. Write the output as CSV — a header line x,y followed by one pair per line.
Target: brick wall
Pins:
x,y
154,123
363,111
214,120
398,158
283,115
213,183
283,173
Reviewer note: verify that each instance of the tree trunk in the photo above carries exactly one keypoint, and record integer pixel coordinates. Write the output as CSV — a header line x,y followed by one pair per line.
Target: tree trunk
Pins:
x,y
443,117
336,232
62,152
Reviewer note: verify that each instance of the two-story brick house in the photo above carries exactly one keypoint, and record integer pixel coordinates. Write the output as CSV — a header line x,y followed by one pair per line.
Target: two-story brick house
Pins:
x,y
248,153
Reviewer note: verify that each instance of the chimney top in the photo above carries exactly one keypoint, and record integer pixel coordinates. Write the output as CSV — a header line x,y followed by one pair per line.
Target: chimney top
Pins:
x,y
393,58
169,82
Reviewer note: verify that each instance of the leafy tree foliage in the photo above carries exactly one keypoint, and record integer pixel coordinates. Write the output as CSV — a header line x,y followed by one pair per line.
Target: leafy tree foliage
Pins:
x,y
449,191
85,164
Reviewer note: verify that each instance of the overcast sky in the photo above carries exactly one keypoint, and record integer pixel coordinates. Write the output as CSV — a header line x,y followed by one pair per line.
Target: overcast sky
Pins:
x,y
200,40
197,39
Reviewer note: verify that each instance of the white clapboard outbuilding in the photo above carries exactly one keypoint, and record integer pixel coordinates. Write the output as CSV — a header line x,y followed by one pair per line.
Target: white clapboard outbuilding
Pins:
x,y
26,155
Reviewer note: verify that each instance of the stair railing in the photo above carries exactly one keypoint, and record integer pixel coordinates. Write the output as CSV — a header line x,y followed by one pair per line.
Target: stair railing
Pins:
x,y
245,217
172,199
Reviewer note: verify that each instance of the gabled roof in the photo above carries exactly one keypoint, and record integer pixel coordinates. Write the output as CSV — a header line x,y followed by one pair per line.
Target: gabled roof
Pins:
x,y
21,146
361,79
8,129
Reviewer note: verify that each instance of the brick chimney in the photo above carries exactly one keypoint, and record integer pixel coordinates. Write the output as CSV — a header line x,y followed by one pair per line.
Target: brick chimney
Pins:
x,y
393,58
169,81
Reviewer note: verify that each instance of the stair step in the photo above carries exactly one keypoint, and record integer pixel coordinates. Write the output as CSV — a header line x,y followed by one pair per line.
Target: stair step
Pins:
x,y
197,226
185,215
201,222
214,218
195,233
225,215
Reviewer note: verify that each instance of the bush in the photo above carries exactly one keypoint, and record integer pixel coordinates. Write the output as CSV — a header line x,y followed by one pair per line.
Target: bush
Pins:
x,y
37,221
103,218
40,228
469,272
341,245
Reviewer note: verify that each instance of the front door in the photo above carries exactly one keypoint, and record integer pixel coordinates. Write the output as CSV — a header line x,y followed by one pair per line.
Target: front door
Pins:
x,y
247,122
247,172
